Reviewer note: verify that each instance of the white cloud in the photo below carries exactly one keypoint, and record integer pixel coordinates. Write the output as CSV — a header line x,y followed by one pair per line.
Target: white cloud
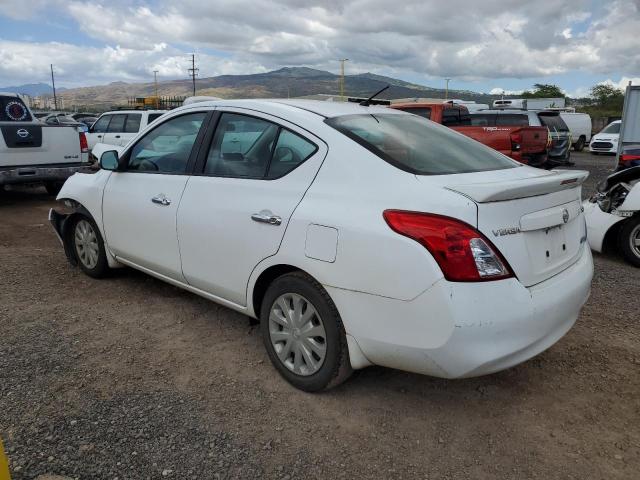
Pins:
x,y
623,82
465,40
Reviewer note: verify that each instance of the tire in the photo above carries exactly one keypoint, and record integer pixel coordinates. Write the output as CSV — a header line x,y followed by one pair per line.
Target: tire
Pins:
x,y
88,247
310,363
579,146
595,153
629,240
53,188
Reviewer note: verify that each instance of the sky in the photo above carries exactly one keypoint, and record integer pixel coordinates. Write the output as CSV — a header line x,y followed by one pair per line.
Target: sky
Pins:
x,y
485,46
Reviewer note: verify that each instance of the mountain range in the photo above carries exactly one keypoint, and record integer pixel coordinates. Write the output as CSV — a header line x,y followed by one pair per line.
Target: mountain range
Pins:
x,y
282,83
32,89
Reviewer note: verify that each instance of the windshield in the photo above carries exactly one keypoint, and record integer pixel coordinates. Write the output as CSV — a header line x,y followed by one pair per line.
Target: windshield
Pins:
x,y
554,123
612,128
416,145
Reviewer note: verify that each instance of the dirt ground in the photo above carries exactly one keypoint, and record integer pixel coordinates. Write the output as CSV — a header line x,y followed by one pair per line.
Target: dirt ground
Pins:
x,y
131,378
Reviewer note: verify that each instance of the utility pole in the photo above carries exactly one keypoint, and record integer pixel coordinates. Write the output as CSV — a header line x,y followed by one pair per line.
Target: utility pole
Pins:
x,y
446,90
53,84
155,82
194,71
342,60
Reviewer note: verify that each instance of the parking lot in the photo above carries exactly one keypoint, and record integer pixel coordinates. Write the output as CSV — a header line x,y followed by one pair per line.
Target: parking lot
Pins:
x,y
132,378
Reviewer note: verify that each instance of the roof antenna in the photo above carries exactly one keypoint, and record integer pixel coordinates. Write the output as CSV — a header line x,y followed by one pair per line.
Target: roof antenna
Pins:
x,y
367,102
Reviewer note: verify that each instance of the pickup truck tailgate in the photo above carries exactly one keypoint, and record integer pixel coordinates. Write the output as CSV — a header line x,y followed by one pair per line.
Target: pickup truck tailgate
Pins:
x,y
32,144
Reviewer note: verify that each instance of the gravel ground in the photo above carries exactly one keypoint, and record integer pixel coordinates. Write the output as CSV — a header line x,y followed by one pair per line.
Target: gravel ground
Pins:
x,y
131,378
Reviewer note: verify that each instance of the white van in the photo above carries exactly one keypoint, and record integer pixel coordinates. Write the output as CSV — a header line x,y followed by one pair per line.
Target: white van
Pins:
x,y
580,127
120,126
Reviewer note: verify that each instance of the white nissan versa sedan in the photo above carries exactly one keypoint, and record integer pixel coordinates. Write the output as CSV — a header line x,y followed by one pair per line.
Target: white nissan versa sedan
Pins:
x,y
357,235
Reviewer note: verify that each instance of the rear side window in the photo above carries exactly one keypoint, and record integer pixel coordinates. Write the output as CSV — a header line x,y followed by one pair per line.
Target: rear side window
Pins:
x,y
554,123
102,124
424,112
241,147
415,145
117,123
455,117
512,120
133,123
291,150
154,116
13,109
483,120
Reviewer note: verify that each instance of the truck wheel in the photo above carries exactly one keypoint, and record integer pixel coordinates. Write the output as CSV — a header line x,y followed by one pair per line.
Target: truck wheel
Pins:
x,y
629,240
88,247
53,188
579,146
303,333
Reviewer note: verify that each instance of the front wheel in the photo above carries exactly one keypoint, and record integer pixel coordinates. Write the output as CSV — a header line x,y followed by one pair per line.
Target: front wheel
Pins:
x,y
88,247
303,333
629,240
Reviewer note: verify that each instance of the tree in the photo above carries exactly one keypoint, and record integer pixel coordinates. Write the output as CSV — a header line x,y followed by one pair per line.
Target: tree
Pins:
x,y
544,90
608,97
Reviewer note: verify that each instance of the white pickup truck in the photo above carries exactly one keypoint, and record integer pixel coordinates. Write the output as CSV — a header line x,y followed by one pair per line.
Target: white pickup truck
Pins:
x,y
32,152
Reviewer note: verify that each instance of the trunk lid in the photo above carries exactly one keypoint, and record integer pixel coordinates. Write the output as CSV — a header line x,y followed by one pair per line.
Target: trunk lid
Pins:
x,y
533,217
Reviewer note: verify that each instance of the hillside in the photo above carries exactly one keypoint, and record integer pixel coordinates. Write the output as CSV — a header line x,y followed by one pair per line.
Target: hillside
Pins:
x,y
285,82
32,89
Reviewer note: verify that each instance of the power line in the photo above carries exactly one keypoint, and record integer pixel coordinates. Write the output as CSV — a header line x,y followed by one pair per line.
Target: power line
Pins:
x,y
193,71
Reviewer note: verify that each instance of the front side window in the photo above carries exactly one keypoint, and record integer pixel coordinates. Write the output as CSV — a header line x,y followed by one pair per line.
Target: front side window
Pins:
x,y
132,124
167,148
101,124
242,147
153,117
117,124
415,145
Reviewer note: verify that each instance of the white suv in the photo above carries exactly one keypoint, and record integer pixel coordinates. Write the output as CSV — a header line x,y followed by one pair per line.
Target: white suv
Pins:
x,y
118,127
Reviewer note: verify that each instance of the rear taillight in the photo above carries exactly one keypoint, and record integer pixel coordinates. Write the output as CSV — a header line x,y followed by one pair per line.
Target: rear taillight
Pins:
x,y
516,141
462,252
628,160
84,146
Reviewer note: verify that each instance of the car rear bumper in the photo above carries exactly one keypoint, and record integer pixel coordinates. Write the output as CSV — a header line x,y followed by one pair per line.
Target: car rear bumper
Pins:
x,y
40,173
456,330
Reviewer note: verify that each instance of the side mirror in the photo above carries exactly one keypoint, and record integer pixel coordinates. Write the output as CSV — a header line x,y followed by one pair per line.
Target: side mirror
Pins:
x,y
109,160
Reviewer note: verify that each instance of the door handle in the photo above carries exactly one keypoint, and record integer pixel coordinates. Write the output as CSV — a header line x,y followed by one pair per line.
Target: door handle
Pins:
x,y
117,136
266,218
99,136
161,199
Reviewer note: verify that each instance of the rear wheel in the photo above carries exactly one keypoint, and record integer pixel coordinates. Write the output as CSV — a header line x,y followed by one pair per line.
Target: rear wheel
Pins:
x,y
579,146
303,333
629,240
53,188
88,247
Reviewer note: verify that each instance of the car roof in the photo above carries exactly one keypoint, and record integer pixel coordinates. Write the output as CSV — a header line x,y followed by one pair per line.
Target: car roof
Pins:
x,y
318,107
134,111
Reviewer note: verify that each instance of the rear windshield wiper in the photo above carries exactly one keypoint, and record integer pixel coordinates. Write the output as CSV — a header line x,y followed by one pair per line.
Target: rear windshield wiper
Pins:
x,y
367,102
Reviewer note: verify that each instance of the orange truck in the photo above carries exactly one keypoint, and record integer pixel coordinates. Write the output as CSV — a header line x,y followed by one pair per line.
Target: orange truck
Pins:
x,y
524,144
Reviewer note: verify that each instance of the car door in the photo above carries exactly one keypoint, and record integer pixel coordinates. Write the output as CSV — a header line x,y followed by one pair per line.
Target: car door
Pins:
x,y
115,129
130,130
98,130
141,199
235,210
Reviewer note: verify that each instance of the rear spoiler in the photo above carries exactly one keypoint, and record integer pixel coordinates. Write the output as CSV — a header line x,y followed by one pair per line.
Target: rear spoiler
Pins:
x,y
522,188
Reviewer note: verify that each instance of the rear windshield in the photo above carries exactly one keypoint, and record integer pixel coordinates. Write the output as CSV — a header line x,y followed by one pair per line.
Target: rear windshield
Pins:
x,y
12,109
416,145
612,128
554,123
424,112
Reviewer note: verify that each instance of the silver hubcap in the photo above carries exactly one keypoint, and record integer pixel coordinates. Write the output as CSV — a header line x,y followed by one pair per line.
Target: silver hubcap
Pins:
x,y
634,239
86,243
297,334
